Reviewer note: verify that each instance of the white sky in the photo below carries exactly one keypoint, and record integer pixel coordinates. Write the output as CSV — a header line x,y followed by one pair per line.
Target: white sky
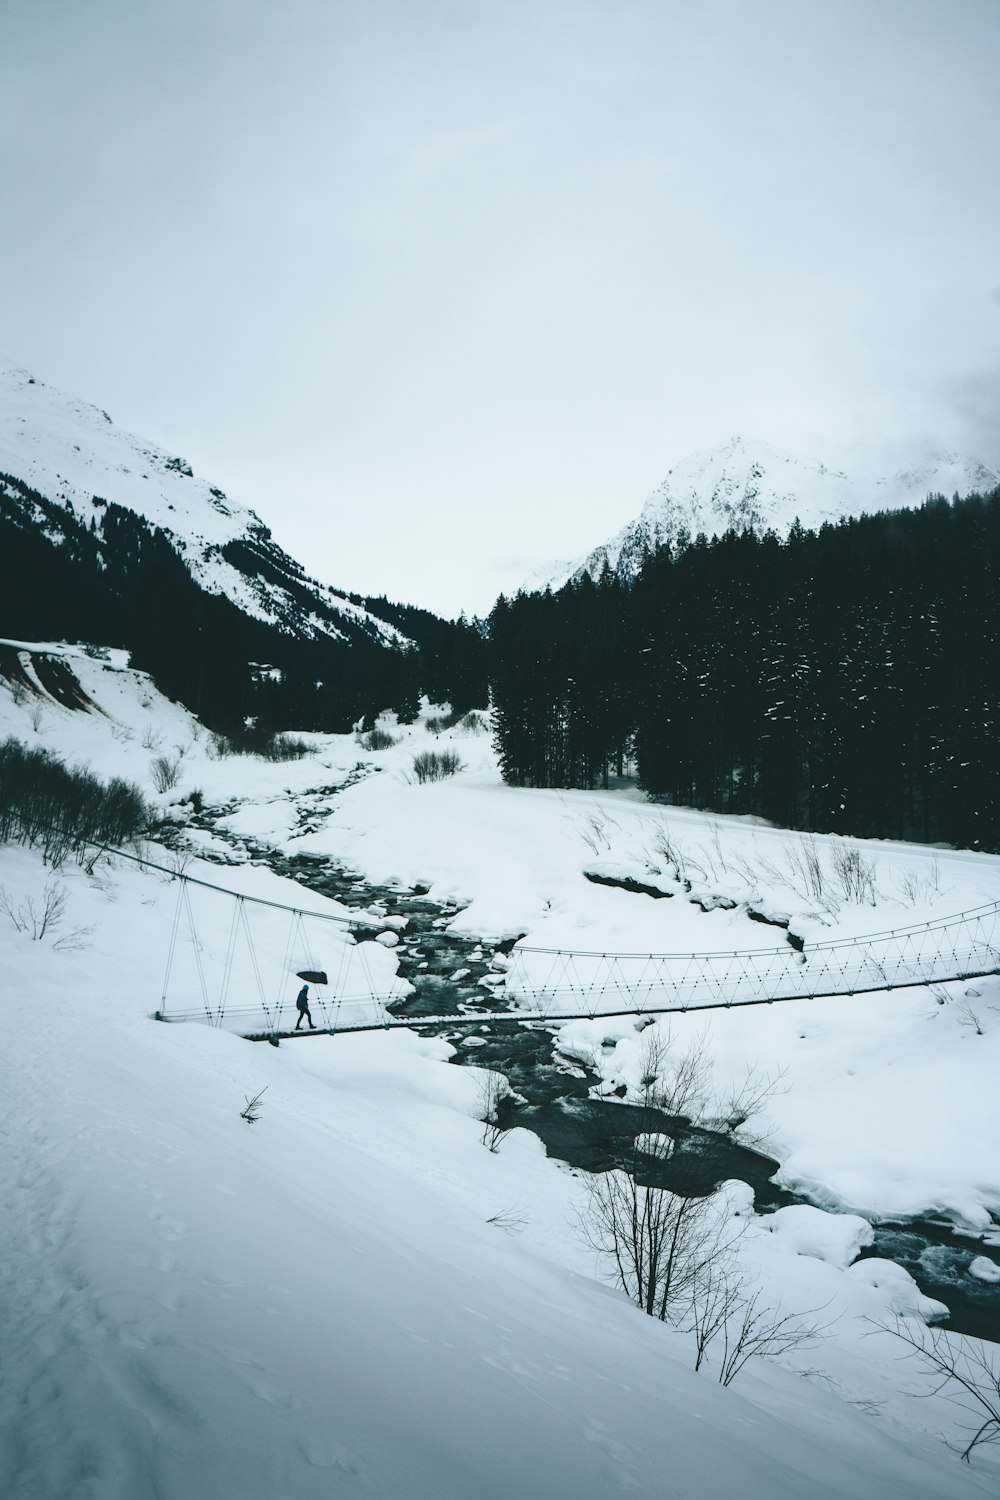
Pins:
x,y
442,288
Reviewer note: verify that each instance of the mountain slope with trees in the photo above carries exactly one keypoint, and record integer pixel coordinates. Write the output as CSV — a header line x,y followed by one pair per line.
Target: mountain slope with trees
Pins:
x,y
104,538
844,680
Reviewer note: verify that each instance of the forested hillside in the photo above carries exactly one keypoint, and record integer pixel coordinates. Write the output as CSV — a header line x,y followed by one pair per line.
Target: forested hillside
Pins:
x,y
119,580
845,680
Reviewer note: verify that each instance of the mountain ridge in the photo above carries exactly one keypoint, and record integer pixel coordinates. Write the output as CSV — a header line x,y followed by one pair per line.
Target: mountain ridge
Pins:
x,y
76,456
745,485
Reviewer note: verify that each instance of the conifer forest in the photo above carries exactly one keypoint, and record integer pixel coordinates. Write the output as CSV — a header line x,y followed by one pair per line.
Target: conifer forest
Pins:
x,y
845,680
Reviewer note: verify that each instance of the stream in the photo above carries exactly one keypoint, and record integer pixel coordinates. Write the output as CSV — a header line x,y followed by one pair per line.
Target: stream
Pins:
x,y
451,972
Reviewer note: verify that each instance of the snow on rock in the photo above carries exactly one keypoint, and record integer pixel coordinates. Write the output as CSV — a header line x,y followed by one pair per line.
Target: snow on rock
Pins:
x,y
985,1269
836,1238
903,1295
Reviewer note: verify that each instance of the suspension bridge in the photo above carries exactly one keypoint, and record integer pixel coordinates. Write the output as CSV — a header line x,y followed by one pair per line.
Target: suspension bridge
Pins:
x,y
244,957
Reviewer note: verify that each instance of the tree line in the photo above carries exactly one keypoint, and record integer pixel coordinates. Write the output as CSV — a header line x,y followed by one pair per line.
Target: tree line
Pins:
x,y
845,680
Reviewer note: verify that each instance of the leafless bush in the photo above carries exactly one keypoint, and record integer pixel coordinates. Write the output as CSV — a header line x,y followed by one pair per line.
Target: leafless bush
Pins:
x,y
45,804
966,1370
594,830
669,850
805,873
274,747
433,765
36,717
165,772
36,918
473,722
744,1101
855,873
377,739
920,885
656,1243
970,1018
152,738
677,1083
493,1089
43,918
752,1329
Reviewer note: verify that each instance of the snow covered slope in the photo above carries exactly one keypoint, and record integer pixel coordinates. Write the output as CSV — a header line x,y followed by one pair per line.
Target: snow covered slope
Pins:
x,y
354,1298
72,454
750,486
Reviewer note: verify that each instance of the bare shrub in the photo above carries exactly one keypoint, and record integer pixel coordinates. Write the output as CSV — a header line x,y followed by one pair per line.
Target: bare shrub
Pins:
x,y
752,1329
657,1244
164,772
668,849
970,1018
152,738
36,918
265,745
679,1084
855,873
493,1090
36,717
43,918
919,885
594,830
44,804
966,1370
473,722
433,765
377,739
436,724
805,873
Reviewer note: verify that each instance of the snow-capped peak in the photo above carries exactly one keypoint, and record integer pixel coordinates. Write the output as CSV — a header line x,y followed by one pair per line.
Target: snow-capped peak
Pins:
x,y
73,454
747,485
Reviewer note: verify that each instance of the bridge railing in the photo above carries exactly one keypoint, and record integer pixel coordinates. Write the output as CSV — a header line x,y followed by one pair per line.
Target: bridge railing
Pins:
x,y
553,981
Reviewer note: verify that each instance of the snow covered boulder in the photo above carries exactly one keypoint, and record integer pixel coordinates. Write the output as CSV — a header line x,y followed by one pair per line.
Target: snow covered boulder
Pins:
x,y
985,1269
835,1238
901,1292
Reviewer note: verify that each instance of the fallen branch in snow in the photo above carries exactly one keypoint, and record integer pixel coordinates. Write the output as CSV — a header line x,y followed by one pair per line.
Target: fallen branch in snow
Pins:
x,y
253,1107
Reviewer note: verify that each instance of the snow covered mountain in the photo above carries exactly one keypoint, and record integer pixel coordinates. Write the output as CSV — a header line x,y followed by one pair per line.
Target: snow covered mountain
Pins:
x,y
751,486
72,455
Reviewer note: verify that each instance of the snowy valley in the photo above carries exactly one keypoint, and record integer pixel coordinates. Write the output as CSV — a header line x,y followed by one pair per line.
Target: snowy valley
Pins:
x,y
355,1295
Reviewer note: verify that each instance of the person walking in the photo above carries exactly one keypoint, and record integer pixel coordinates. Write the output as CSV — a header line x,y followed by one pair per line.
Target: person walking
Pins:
x,y
302,1003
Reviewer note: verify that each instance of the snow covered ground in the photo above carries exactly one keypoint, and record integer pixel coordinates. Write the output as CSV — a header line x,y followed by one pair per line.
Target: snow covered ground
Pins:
x,y
354,1296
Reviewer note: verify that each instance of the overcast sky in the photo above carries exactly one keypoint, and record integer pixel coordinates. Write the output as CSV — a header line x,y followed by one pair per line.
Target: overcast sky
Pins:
x,y
442,288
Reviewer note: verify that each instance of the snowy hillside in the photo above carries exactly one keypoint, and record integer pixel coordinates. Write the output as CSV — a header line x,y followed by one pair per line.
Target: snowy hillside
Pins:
x,y
746,486
73,454
354,1296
